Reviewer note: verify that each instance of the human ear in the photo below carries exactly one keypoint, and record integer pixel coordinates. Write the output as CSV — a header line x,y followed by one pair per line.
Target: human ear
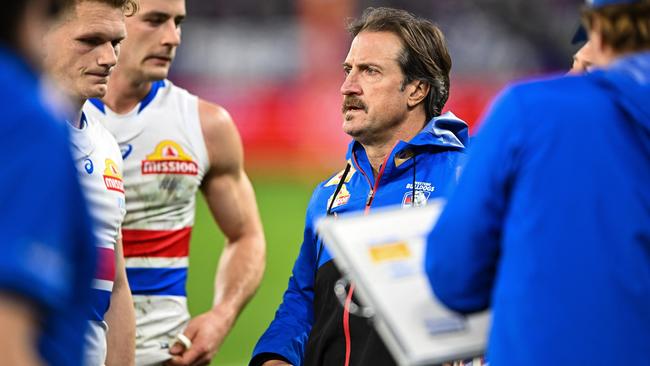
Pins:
x,y
417,92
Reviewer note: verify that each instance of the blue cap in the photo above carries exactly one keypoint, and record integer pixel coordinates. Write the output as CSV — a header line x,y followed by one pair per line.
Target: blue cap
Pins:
x,y
580,36
594,4
581,33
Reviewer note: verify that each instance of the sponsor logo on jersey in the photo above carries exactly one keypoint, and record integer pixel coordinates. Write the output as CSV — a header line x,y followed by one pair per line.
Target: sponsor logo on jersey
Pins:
x,y
341,199
113,177
169,158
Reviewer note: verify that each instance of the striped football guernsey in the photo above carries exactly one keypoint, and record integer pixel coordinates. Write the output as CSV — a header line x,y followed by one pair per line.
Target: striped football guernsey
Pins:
x,y
165,159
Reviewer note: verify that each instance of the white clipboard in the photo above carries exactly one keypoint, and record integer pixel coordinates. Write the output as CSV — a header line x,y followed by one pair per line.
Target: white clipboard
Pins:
x,y
383,254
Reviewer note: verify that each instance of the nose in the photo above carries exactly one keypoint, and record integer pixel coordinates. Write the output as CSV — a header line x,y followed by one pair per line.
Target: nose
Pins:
x,y
108,55
351,84
172,34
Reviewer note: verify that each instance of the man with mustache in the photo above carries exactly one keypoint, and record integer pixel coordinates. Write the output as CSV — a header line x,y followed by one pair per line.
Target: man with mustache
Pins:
x,y
556,194
404,152
81,50
48,254
174,143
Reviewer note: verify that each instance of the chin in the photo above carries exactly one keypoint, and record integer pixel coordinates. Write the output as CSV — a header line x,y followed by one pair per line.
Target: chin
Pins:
x,y
97,92
156,74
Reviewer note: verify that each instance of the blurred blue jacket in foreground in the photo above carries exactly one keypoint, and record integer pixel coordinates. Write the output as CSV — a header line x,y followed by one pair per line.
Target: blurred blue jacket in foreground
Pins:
x,y
48,254
550,223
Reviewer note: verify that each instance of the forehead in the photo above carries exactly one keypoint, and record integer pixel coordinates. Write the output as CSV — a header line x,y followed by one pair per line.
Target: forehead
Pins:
x,y
172,8
96,17
374,47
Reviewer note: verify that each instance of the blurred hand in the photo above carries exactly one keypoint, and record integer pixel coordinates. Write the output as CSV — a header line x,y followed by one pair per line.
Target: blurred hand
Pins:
x,y
206,332
276,363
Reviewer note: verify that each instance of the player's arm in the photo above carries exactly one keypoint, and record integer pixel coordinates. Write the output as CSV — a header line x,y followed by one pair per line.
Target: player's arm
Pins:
x,y
120,317
18,322
231,201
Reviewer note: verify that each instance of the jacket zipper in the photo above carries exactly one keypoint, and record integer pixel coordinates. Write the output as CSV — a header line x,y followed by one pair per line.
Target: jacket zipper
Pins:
x,y
346,308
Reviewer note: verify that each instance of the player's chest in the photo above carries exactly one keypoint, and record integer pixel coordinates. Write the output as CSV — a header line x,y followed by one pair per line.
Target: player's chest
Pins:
x,y
102,183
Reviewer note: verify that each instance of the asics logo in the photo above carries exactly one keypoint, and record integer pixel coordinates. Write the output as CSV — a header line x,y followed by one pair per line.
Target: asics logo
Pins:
x,y
126,150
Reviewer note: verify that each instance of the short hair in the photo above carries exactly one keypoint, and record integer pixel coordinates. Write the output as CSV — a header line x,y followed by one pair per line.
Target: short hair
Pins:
x,y
624,28
424,53
13,13
129,7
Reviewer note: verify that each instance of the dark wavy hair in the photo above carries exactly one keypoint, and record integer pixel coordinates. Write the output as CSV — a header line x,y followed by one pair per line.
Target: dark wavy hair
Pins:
x,y
424,54
130,7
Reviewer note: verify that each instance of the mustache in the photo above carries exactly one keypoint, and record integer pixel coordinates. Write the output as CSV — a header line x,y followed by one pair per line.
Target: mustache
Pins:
x,y
350,102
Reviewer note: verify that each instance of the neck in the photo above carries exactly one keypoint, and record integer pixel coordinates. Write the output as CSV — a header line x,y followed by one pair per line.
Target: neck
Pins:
x,y
379,149
123,93
76,119
377,155
77,105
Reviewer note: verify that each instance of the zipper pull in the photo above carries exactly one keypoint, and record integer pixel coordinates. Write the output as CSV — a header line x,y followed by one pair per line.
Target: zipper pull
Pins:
x,y
370,197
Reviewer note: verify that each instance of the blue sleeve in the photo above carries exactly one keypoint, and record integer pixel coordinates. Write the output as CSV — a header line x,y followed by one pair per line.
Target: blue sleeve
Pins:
x,y
288,332
463,248
39,193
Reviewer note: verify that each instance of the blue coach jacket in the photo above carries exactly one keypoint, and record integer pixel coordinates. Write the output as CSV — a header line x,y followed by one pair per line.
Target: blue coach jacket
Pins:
x,y
552,221
308,326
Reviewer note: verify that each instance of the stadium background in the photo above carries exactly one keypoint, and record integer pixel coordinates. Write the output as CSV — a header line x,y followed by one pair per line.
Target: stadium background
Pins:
x,y
275,65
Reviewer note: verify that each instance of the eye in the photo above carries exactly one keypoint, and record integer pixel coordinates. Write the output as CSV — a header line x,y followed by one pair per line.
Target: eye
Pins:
x,y
372,71
90,41
155,21
116,43
346,70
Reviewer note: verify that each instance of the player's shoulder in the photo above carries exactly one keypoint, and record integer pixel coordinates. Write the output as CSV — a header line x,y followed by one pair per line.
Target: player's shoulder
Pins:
x,y
215,119
550,93
556,85
101,135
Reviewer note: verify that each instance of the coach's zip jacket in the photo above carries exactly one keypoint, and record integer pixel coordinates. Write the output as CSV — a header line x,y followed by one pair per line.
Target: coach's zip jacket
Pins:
x,y
311,327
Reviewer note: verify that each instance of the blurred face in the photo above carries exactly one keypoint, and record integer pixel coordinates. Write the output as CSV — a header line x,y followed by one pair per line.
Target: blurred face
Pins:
x,y
154,34
82,49
374,101
38,18
584,59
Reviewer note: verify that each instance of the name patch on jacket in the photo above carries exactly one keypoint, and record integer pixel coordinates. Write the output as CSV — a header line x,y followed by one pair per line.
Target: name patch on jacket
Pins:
x,y
169,158
422,192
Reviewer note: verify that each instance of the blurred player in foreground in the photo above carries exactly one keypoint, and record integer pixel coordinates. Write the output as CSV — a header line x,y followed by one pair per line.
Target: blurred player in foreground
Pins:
x,y
174,143
48,254
583,60
552,211
81,51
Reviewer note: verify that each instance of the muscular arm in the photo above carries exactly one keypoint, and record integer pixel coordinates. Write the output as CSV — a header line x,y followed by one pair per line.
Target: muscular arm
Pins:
x,y
18,338
120,317
231,201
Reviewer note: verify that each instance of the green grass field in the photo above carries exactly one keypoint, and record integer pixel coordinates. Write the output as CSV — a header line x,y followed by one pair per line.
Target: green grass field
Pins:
x,y
282,204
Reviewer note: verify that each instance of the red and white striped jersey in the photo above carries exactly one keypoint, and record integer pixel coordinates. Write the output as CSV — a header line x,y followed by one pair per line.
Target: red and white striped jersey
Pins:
x,y
99,165
165,160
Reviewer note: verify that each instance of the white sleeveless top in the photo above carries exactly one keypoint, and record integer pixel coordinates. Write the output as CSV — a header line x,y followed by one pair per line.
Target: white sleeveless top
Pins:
x,y
99,165
165,160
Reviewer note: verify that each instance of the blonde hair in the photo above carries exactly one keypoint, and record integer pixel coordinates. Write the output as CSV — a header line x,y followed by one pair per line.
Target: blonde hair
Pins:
x,y
624,28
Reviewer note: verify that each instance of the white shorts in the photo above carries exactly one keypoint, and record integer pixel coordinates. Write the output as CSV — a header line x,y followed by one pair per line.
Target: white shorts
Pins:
x,y
158,319
95,343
